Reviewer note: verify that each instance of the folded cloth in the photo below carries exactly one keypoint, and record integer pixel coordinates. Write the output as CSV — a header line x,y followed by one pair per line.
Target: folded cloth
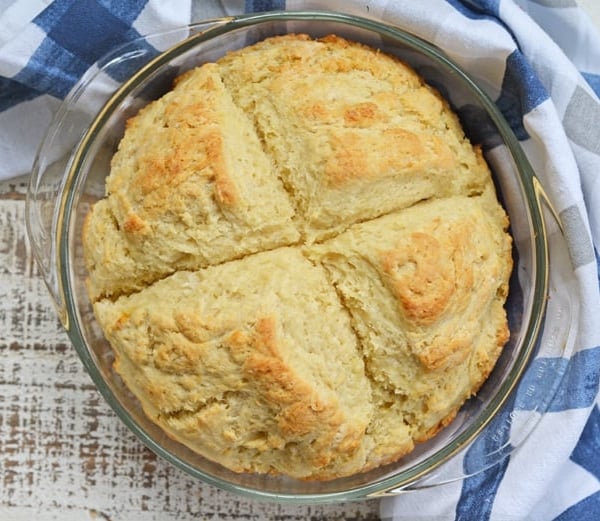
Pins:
x,y
45,47
540,62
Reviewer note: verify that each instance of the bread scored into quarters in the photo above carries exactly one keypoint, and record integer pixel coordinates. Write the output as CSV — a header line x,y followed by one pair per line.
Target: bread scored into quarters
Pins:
x,y
300,262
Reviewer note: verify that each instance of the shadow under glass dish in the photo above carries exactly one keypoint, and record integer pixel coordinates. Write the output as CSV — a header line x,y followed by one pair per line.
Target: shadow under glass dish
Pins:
x,y
64,186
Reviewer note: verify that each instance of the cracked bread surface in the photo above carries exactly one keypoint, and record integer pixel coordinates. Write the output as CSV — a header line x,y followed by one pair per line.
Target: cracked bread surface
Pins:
x,y
425,288
300,263
346,127
183,191
228,358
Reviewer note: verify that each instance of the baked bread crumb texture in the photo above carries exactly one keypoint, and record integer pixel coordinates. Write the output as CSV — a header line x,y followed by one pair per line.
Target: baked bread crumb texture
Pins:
x,y
300,263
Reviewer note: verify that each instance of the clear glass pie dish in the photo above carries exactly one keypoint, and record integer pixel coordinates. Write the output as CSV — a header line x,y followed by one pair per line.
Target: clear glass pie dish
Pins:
x,y
69,174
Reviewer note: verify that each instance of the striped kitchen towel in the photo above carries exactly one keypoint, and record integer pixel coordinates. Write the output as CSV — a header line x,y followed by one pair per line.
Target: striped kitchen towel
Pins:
x,y
45,47
539,60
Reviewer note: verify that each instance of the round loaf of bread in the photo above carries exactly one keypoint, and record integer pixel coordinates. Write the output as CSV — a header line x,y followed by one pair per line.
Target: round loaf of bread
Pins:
x,y
300,263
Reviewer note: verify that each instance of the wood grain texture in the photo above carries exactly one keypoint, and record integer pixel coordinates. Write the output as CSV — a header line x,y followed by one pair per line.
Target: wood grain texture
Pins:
x,y
64,455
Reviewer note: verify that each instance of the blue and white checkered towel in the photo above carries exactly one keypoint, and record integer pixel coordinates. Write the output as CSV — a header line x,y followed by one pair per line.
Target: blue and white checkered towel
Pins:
x,y
543,53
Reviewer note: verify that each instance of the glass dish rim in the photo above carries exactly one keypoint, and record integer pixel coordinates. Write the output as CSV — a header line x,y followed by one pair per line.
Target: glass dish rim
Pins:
x,y
539,248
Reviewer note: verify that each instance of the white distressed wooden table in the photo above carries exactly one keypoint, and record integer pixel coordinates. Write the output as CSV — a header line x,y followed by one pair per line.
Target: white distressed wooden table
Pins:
x,y
64,455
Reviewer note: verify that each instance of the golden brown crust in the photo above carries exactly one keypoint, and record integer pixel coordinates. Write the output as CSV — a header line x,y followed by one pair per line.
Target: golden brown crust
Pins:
x,y
346,127
425,288
300,263
231,365
181,191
